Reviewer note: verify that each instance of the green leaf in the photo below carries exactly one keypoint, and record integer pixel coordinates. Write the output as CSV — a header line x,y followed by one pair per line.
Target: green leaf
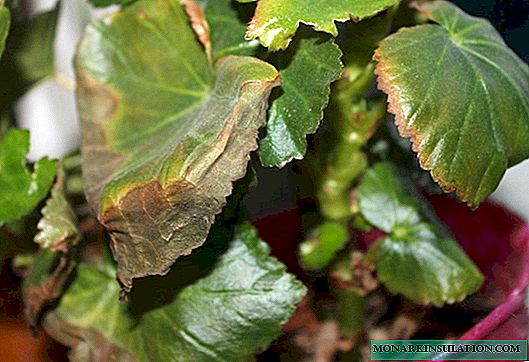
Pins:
x,y
227,25
275,21
416,258
5,20
298,107
104,3
33,51
58,225
164,134
22,190
323,245
462,97
234,310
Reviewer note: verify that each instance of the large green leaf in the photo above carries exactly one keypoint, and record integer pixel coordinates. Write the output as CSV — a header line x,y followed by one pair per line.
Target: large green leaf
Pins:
x,y
234,310
461,95
227,25
417,258
22,190
307,69
4,27
275,21
164,135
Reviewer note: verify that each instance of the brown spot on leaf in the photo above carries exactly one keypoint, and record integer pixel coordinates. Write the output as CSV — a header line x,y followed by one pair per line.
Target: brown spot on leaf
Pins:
x,y
90,91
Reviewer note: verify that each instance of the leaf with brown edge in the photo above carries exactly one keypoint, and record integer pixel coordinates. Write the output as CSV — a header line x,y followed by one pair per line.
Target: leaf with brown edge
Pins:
x,y
58,235
223,303
163,134
198,23
45,282
276,21
461,95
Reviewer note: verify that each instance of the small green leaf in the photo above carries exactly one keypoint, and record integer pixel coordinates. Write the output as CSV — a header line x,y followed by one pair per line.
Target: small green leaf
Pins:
x,y
5,19
22,190
415,259
236,309
164,134
298,108
58,225
275,21
33,52
323,245
104,3
227,25
462,97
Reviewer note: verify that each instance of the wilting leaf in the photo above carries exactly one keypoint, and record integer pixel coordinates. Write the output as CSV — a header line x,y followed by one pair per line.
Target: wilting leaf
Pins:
x,y
103,3
234,310
4,27
164,135
307,69
275,21
45,282
323,245
22,190
58,225
416,258
32,42
57,237
461,95
227,25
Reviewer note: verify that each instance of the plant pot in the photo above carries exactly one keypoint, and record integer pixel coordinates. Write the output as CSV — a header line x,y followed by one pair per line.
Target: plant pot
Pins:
x,y
496,239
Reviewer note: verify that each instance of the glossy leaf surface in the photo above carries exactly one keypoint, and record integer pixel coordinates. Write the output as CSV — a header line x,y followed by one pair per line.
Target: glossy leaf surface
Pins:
x,y
275,21
461,95
226,315
164,134
307,70
22,190
416,258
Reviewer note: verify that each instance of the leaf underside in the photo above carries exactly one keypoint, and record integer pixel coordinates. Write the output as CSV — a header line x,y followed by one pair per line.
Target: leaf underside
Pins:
x,y
275,21
164,134
462,97
307,69
234,310
416,258
22,190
